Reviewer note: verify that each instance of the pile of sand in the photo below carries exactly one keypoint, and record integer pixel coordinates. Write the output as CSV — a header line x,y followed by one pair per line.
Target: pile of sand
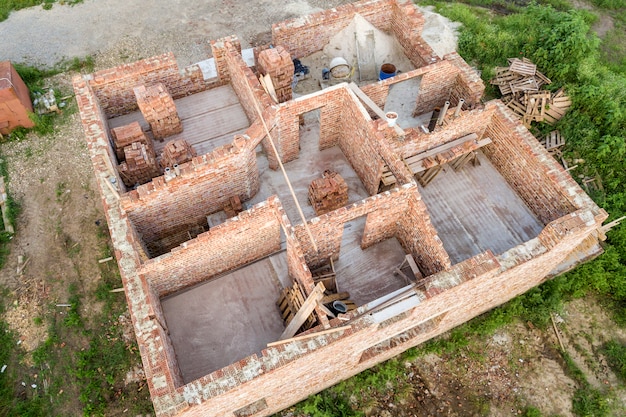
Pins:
x,y
439,32
364,46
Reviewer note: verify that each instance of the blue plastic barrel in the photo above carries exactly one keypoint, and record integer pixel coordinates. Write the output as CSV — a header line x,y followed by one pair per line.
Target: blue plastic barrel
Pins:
x,y
386,71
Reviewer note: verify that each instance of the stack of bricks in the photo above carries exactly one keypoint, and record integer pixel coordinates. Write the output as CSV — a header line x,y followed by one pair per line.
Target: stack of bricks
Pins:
x,y
124,136
328,193
159,110
278,64
140,165
234,207
177,152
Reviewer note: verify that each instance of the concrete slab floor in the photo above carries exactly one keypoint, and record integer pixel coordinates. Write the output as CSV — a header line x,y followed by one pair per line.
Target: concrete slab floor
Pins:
x,y
210,119
475,209
226,319
309,166
367,274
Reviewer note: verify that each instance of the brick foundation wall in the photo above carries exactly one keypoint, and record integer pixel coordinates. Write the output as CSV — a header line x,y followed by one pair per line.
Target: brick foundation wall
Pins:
x,y
436,87
407,25
522,162
220,48
468,84
327,229
160,208
114,87
278,64
251,235
287,137
358,142
303,36
294,370
419,238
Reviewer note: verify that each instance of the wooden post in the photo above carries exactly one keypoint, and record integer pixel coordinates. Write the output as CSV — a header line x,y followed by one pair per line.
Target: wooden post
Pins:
x,y
8,227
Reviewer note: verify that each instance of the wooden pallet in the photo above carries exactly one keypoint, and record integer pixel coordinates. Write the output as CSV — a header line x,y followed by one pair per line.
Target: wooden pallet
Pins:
x,y
290,302
553,140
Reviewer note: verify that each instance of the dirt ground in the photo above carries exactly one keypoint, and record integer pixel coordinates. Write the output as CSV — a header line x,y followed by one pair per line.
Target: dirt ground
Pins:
x,y
58,229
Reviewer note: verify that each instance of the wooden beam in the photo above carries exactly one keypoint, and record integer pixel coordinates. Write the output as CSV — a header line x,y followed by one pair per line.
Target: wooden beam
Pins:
x,y
305,311
370,103
8,227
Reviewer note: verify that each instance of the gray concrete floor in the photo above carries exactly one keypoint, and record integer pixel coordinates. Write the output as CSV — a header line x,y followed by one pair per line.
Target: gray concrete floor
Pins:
x,y
475,209
227,319
210,119
401,99
367,274
309,166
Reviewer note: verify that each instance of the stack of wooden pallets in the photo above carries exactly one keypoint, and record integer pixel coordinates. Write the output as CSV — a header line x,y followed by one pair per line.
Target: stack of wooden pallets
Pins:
x,y
328,193
520,84
177,152
290,302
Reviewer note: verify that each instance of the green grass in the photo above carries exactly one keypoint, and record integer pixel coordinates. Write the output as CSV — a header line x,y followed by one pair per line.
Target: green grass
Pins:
x,y
12,212
615,353
7,6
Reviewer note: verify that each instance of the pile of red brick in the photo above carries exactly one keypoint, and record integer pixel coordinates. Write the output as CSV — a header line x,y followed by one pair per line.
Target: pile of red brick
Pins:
x,y
177,152
328,193
278,64
140,164
125,135
159,110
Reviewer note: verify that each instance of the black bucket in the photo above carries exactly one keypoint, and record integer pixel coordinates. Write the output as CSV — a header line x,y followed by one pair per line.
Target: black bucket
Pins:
x,y
339,307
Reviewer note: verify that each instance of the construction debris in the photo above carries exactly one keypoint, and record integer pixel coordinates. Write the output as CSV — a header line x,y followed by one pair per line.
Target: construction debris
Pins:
x,y
328,193
140,165
177,152
290,302
520,84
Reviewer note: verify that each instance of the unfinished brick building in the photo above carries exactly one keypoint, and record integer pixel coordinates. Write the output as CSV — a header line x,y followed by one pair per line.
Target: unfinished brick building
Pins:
x,y
447,217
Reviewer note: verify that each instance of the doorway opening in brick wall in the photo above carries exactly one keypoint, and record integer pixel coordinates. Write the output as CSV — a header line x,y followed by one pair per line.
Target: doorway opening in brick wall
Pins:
x,y
401,99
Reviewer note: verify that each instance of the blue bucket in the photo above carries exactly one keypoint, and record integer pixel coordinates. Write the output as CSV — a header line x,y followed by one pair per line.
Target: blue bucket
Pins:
x,y
386,71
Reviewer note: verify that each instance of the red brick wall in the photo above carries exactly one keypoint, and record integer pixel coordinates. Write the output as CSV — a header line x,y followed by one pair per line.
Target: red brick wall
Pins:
x,y
407,24
288,373
158,209
521,160
254,233
419,238
327,229
114,87
357,141
304,35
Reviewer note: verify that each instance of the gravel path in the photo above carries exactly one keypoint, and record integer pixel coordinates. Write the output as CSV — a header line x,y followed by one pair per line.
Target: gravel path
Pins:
x,y
125,30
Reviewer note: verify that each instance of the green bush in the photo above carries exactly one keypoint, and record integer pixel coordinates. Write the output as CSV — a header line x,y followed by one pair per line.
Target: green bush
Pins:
x,y
615,353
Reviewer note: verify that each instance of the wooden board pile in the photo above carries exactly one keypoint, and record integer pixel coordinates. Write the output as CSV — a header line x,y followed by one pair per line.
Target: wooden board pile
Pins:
x,y
328,193
124,136
520,84
158,108
177,152
140,165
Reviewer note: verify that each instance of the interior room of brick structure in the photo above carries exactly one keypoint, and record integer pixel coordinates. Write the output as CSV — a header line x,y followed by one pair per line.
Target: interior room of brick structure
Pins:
x,y
212,183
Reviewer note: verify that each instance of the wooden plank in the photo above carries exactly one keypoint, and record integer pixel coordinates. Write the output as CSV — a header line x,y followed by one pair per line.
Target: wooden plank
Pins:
x,y
416,271
441,148
334,297
523,68
304,312
369,103
419,167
